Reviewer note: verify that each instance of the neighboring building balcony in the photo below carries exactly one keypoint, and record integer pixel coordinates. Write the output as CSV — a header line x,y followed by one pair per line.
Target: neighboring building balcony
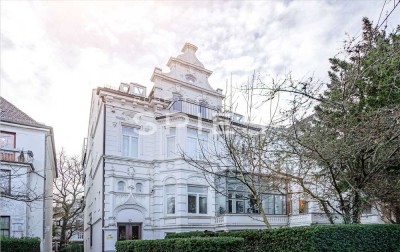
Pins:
x,y
16,156
238,221
193,109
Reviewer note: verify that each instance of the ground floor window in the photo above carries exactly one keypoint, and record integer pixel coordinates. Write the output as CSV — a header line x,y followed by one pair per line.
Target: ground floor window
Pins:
x,y
274,203
129,231
197,199
5,226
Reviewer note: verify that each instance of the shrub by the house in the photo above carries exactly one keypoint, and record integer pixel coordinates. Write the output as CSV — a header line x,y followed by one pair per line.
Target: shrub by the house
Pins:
x,y
314,238
19,244
210,244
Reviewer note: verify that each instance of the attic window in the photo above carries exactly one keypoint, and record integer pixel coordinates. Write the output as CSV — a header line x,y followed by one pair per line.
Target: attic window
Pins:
x,y
138,91
124,88
190,78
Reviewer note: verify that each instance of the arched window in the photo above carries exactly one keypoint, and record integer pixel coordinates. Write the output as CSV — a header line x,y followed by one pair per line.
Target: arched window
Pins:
x,y
170,191
139,187
121,186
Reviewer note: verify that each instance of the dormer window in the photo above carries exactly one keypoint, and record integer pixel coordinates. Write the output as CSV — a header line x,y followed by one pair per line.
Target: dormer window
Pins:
x,y
141,91
190,78
124,87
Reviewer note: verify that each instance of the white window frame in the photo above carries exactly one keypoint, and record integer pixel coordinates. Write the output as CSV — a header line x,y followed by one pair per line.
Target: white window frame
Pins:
x,y
170,194
8,228
139,187
198,195
233,199
129,153
120,182
201,143
171,136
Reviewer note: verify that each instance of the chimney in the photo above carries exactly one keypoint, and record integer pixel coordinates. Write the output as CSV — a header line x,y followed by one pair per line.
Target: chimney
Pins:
x,y
189,48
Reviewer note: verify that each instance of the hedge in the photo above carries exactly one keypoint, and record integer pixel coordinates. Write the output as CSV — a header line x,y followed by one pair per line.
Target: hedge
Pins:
x,y
19,244
314,238
207,244
72,247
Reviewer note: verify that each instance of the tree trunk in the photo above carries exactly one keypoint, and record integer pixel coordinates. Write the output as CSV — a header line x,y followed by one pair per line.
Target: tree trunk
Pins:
x,y
63,234
262,212
356,211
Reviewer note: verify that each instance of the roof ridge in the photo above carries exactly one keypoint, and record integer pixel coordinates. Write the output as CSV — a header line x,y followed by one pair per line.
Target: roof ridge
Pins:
x,y
10,112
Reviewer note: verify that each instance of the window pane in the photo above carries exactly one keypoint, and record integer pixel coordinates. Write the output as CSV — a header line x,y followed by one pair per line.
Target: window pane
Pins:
x,y
121,233
191,147
177,104
192,204
203,204
7,140
280,204
5,226
172,131
171,205
239,207
197,189
134,147
170,146
192,132
268,204
5,233
129,131
203,135
203,111
5,222
139,187
5,177
230,206
125,146
121,186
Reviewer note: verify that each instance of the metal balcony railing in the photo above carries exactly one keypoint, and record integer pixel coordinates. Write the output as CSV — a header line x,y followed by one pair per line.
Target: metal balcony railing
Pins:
x,y
14,155
194,109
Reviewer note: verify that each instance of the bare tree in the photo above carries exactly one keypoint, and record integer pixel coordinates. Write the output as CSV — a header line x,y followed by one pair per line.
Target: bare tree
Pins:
x,y
68,195
345,141
238,154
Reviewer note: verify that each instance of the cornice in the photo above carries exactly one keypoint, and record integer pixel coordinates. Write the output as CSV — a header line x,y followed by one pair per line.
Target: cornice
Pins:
x,y
176,81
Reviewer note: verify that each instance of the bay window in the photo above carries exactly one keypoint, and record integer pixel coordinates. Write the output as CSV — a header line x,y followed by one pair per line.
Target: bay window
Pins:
x,y
197,199
130,142
274,203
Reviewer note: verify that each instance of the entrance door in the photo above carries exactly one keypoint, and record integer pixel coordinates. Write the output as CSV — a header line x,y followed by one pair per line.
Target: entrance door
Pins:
x,y
129,231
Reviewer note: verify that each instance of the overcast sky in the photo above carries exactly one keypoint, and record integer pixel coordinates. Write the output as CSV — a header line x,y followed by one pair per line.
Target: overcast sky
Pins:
x,y
53,53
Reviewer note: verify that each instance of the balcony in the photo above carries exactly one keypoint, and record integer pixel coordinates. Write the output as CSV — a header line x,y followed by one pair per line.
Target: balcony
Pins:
x,y
193,109
243,221
311,219
16,156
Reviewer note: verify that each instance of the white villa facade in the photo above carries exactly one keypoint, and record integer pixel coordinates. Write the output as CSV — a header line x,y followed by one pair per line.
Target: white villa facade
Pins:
x,y
136,184
28,166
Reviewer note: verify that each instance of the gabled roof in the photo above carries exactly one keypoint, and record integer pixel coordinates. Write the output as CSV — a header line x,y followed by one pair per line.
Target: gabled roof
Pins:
x,y
10,113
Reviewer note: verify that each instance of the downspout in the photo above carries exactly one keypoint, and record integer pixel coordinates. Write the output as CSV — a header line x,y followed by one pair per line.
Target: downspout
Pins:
x,y
44,188
104,172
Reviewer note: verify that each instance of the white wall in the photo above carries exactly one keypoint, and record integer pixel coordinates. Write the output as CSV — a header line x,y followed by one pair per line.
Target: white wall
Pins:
x,y
34,218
